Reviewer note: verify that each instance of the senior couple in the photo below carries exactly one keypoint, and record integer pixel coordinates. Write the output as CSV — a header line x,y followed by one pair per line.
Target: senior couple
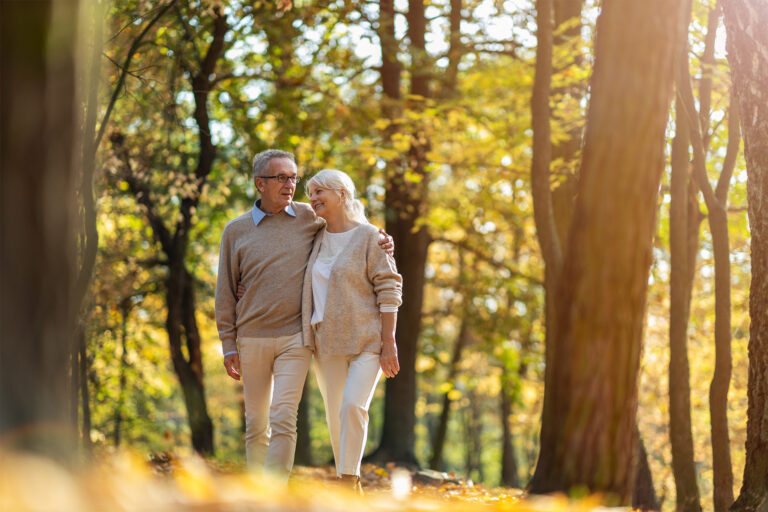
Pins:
x,y
294,280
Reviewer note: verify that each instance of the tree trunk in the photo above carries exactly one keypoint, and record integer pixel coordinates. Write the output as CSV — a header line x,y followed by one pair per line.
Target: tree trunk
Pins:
x,y
716,201
509,476
181,326
644,496
472,433
303,439
405,202
38,225
85,404
747,44
543,214
601,301
438,441
569,38
124,309
680,433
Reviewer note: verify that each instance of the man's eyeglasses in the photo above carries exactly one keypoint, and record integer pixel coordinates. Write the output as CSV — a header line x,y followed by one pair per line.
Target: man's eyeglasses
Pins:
x,y
282,178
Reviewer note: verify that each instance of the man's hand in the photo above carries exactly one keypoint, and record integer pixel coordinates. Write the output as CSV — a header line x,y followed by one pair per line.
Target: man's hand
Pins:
x,y
240,291
388,359
232,364
387,243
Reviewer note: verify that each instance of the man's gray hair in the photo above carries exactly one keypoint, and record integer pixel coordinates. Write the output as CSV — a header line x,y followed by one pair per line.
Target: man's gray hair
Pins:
x,y
261,161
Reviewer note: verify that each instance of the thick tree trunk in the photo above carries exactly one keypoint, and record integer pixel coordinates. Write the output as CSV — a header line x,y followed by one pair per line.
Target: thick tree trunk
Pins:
x,y
397,438
182,328
38,225
405,203
747,44
609,255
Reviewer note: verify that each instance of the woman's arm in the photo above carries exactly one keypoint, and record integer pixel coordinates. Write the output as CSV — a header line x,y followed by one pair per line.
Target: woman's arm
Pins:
x,y
388,359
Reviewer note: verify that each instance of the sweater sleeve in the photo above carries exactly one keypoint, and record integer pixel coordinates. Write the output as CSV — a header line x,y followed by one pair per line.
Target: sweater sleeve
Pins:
x,y
382,272
226,289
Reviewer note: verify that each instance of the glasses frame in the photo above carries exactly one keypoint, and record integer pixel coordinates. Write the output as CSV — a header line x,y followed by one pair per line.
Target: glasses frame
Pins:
x,y
283,178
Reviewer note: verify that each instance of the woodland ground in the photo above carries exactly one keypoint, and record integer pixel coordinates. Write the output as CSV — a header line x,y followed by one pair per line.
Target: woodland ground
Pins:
x,y
127,482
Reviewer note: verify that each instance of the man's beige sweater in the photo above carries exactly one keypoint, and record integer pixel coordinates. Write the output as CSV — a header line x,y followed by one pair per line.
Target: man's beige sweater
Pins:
x,y
269,259
363,277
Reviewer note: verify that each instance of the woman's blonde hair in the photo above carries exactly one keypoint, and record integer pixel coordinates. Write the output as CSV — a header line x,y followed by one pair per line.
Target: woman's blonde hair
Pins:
x,y
338,181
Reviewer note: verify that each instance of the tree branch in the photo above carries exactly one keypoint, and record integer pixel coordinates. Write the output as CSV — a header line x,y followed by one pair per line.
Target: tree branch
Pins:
x,y
462,244
126,64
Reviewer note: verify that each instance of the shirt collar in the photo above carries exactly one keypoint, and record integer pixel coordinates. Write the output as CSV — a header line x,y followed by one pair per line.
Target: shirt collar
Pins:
x,y
258,214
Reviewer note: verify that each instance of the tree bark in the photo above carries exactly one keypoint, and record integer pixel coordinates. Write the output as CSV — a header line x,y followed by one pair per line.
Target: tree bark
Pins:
x,y
118,421
38,225
716,201
609,254
747,45
644,496
680,433
405,203
438,441
509,476
303,439
85,405
543,213
473,430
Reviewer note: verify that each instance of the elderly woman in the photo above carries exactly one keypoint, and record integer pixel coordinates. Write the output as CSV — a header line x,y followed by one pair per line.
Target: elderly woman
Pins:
x,y
349,310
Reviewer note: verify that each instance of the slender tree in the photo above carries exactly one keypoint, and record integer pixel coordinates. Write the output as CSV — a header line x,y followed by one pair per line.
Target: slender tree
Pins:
x,y
681,261
716,201
174,237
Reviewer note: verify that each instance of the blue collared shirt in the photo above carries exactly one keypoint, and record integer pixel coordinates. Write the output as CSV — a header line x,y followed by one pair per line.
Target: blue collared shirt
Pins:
x,y
258,214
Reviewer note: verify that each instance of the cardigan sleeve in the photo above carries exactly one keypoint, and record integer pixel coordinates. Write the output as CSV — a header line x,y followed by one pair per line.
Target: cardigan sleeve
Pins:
x,y
382,273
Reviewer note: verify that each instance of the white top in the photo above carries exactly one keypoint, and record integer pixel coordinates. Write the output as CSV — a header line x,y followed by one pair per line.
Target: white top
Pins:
x,y
331,246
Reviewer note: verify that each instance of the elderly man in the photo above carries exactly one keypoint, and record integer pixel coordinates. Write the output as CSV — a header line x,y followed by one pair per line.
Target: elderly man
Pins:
x,y
266,250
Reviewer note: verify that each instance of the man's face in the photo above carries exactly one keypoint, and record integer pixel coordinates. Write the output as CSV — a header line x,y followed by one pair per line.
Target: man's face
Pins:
x,y
275,196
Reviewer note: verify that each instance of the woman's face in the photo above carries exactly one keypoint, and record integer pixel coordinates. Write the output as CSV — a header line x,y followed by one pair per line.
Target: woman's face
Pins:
x,y
324,201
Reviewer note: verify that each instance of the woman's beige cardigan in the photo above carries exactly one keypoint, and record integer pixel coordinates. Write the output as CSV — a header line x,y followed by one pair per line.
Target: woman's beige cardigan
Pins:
x,y
363,277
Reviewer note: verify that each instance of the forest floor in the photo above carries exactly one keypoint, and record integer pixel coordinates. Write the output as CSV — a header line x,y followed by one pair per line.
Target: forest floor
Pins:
x,y
126,482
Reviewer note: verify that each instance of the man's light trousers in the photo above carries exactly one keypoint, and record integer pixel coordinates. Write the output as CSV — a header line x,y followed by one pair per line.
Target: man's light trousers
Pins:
x,y
273,372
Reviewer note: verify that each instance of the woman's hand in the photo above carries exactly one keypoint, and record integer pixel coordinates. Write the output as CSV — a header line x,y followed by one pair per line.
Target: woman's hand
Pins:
x,y
388,359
